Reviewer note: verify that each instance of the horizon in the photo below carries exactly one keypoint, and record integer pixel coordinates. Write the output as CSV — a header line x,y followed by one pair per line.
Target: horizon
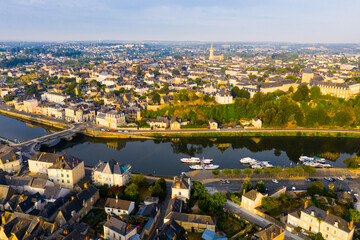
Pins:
x,y
277,21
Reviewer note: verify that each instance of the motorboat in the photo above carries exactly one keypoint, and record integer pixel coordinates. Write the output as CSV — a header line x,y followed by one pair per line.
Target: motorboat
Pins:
x,y
204,166
190,160
247,160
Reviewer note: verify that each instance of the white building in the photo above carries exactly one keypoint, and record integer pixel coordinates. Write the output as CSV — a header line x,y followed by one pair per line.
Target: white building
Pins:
x,y
181,187
224,98
54,97
111,173
118,207
115,229
111,119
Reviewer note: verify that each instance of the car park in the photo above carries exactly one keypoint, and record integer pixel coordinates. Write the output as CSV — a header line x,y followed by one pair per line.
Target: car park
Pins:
x,y
293,189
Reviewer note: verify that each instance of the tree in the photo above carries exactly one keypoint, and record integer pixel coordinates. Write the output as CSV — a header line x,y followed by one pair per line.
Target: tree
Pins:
x,y
236,171
246,186
271,205
247,171
138,70
132,191
31,90
344,60
157,190
343,118
351,215
260,187
216,172
200,191
8,98
316,187
309,169
175,72
298,170
291,89
240,93
301,94
317,236
352,162
139,180
277,170
226,171
156,98
315,92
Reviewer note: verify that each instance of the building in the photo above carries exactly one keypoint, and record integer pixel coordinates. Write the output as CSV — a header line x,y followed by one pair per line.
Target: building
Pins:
x,y
181,187
213,125
251,200
212,235
111,173
307,75
158,123
174,125
224,98
316,220
213,57
10,159
256,122
270,232
66,171
41,161
118,207
191,222
115,229
148,216
31,105
341,90
111,119
168,231
54,97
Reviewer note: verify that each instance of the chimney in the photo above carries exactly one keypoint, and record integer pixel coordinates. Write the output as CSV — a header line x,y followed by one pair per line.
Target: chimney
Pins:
x,y
72,197
87,238
351,224
84,203
66,232
272,235
157,231
244,192
14,157
86,185
117,198
306,204
281,230
312,213
327,212
336,223
108,217
3,220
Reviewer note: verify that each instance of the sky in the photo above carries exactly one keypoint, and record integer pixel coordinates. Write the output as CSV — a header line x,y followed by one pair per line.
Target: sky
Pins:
x,y
299,21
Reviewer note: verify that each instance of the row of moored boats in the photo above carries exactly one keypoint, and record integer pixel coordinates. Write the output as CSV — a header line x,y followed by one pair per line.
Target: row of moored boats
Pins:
x,y
206,164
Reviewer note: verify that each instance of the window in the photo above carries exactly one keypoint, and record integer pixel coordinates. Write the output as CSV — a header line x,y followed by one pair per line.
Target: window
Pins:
x,y
62,181
68,181
67,175
62,175
327,228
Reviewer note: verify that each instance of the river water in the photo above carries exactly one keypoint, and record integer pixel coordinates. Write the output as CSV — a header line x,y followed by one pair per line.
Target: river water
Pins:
x,y
162,156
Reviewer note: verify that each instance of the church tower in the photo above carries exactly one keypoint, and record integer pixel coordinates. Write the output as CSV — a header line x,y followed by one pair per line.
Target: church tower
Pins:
x,y
211,56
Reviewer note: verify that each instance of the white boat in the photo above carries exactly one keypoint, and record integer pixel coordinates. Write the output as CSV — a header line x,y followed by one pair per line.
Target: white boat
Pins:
x,y
326,165
207,161
204,166
257,166
312,164
306,158
190,160
247,160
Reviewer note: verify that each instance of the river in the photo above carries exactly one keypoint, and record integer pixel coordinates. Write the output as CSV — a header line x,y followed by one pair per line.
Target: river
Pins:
x,y
162,156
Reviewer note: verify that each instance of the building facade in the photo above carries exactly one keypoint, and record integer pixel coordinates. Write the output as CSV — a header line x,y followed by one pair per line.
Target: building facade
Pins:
x,y
111,173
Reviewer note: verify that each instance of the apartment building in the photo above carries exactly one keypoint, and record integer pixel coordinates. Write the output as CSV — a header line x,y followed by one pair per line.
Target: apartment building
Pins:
x,y
251,200
111,173
10,159
316,220
111,119
115,229
54,97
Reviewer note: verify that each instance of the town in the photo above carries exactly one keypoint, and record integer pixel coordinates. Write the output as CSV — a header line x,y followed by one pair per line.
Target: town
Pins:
x,y
117,87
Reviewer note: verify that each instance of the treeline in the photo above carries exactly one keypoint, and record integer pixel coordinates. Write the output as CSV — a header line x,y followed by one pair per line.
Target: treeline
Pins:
x,y
13,62
305,108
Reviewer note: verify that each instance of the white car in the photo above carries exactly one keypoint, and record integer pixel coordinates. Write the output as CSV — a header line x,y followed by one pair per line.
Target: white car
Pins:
x,y
340,178
275,181
293,189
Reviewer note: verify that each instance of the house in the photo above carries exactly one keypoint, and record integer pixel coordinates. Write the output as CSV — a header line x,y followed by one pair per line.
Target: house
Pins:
x,y
251,200
181,187
168,231
111,173
148,216
316,220
212,235
10,159
79,205
24,226
151,200
41,161
223,98
158,123
115,229
213,125
111,119
307,75
118,207
174,125
190,222
270,232
66,171
256,122
6,192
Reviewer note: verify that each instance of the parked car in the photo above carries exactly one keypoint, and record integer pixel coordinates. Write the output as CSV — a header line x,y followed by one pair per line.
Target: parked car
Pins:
x,y
340,178
330,179
275,181
293,189
349,178
355,199
224,181
308,179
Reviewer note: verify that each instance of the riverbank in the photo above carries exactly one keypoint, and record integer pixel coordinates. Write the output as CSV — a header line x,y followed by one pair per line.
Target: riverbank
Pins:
x,y
37,120
259,133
